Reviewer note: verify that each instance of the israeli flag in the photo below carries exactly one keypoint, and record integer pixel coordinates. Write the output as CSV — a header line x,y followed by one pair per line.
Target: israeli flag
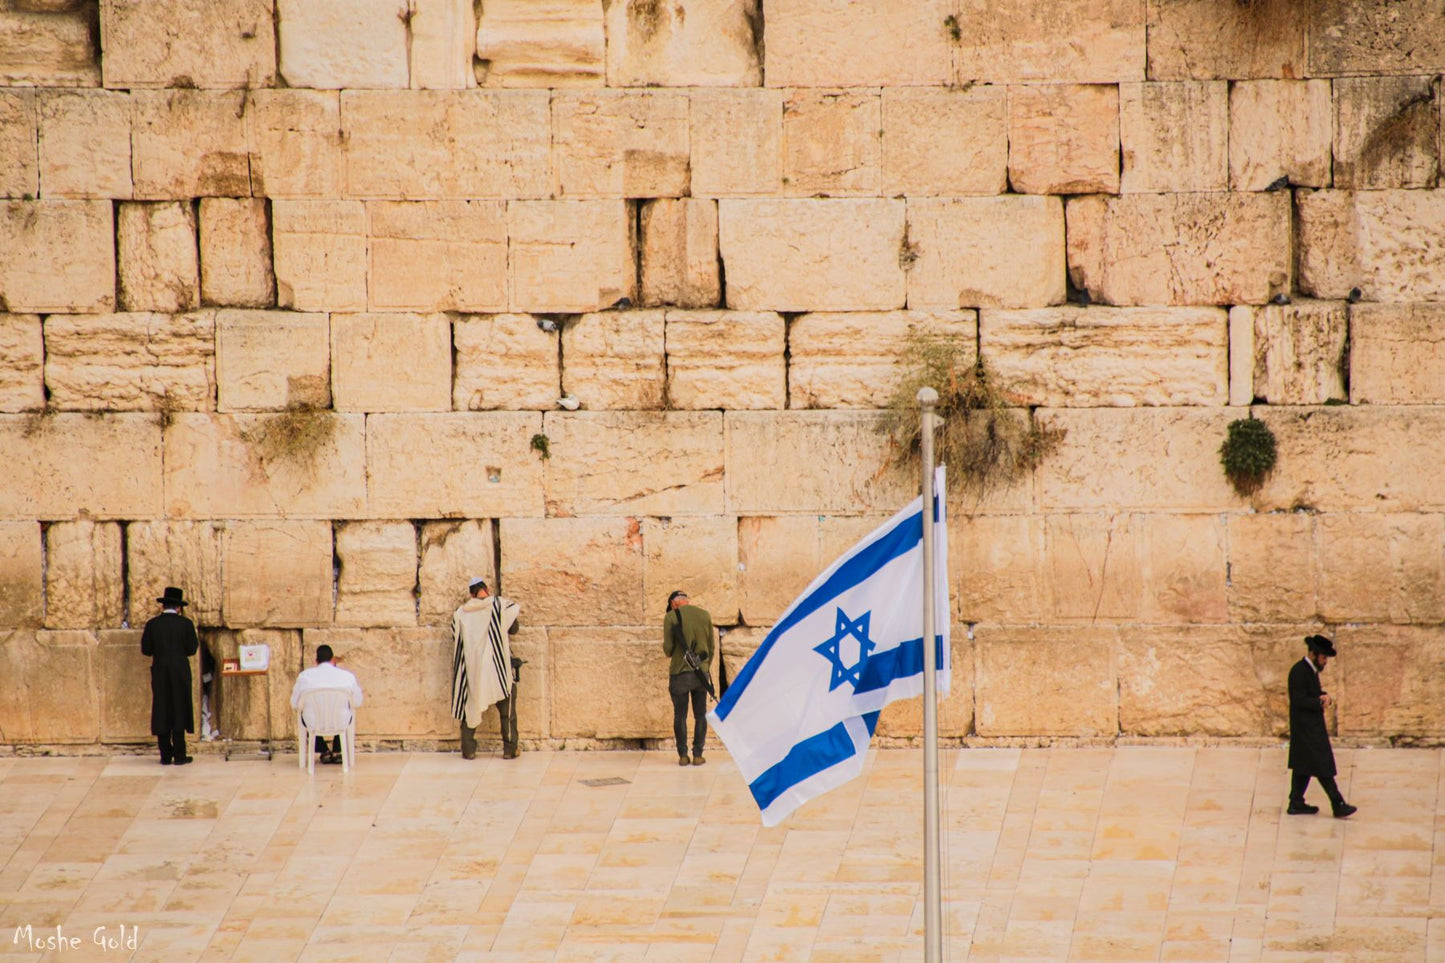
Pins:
x,y
798,717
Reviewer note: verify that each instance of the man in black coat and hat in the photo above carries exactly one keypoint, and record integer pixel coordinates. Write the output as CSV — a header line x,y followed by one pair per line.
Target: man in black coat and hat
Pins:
x,y
170,640
1310,755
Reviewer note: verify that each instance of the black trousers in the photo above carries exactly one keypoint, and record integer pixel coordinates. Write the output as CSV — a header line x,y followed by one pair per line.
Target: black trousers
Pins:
x,y
172,745
685,687
335,744
1300,781
507,716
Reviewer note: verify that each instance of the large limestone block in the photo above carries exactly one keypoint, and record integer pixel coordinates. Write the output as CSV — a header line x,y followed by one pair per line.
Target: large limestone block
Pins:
x,y
451,553
1272,567
1386,132
1390,680
405,677
1203,40
1174,137
576,571
626,462
321,253
294,138
51,694
541,43
726,359
1382,567
1183,569
40,48
778,556
1092,566
468,465
856,43
84,585
174,552
616,359
1365,38
698,556
59,465
1164,459
1299,351
1189,680
1397,354
22,363
190,143
278,573
1342,458
1279,128
59,256
996,252
504,361
569,256
997,567
1041,681
258,707
851,359
679,253
1079,41
534,691
438,255
181,43
1180,248
365,349
1063,139
22,562
737,142
85,143
835,462
804,254
236,262
944,140
19,144
904,718
125,679
1089,357
1389,244
378,579
701,43
156,250
632,705
446,143
268,360
832,142
443,44
342,43
307,463
119,362
620,143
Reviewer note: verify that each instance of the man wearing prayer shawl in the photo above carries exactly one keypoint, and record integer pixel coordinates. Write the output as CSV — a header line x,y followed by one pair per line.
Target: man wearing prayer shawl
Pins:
x,y
483,672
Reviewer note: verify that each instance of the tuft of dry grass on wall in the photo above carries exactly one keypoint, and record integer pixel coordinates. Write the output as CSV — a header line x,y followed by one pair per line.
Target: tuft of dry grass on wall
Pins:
x,y
295,436
987,440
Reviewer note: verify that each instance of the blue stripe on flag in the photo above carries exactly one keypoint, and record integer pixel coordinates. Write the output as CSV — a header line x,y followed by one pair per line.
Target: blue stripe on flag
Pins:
x,y
897,663
808,758
900,541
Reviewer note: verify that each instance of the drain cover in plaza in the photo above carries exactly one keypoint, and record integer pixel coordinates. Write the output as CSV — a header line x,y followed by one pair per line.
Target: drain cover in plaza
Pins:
x,y
608,781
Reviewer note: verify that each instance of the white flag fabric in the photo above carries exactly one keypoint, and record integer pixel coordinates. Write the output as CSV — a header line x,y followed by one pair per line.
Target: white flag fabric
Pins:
x,y
799,716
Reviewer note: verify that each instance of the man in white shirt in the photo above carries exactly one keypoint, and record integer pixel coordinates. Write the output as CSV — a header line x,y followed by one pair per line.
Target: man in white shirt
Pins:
x,y
325,674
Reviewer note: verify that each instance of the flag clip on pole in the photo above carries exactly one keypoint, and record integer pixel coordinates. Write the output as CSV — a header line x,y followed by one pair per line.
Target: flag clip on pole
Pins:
x,y
932,889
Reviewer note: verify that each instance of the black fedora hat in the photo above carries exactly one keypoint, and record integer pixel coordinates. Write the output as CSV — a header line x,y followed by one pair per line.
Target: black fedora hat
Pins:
x,y
172,597
1320,644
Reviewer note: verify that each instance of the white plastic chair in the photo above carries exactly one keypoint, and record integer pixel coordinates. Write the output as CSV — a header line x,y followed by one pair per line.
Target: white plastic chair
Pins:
x,y
325,713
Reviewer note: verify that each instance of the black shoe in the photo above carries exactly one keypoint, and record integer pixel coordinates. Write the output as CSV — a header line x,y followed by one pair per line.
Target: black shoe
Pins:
x,y
1301,809
181,761
1344,810
510,753
165,760
332,759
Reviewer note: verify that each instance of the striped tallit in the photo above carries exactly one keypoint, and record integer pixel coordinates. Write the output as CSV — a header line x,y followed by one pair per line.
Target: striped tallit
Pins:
x,y
481,656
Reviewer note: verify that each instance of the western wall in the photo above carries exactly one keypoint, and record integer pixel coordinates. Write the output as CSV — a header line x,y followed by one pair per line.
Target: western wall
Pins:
x,y
292,290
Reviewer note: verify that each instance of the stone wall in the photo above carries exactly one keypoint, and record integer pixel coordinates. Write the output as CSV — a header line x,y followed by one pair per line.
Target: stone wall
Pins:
x,y
289,293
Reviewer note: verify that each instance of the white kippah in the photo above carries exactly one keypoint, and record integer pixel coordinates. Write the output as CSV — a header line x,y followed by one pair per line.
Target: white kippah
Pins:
x,y
475,580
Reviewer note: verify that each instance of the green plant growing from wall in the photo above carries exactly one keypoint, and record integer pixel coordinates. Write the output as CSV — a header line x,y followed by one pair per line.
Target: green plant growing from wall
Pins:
x,y
1248,455
542,445
987,440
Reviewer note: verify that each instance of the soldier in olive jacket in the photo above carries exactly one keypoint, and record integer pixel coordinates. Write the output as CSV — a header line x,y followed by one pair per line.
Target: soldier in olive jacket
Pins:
x,y
687,632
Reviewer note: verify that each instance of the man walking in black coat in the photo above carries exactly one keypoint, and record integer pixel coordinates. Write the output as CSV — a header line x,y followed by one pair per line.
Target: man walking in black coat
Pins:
x,y
1310,754
170,640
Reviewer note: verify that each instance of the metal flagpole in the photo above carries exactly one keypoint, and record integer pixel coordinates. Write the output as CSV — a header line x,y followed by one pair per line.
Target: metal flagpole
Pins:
x,y
932,889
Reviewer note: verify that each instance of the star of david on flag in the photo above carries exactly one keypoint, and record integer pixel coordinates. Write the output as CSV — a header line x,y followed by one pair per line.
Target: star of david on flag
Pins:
x,y
798,718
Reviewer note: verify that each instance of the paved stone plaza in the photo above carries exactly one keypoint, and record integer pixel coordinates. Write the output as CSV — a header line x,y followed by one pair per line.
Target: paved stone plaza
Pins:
x,y
1052,854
